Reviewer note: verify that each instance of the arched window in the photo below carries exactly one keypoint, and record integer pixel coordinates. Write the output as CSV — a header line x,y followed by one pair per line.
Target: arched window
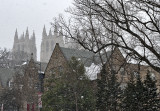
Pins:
x,y
47,46
18,47
52,45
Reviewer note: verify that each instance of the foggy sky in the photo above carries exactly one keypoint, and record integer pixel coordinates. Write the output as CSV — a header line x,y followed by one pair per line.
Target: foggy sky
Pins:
x,y
33,14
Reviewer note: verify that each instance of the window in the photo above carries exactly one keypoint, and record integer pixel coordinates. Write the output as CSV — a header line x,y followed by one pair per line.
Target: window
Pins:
x,y
11,84
123,86
153,77
60,70
113,69
122,72
52,45
135,73
47,46
30,83
53,72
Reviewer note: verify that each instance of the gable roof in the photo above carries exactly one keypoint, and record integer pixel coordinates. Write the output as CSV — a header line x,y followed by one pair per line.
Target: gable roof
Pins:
x,y
86,57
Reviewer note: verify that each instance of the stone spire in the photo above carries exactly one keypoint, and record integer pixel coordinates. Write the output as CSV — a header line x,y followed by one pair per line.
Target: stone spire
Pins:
x,y
50,33
56,31
44,34
16,36
33,36
27,34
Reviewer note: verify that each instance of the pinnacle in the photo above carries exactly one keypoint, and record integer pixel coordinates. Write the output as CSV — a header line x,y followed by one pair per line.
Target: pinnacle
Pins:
x,y
44,31
50,32
16,35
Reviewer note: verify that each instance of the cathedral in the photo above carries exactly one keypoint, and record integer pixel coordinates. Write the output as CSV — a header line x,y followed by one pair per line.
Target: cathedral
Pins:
x,y
48,43
24,44
27,44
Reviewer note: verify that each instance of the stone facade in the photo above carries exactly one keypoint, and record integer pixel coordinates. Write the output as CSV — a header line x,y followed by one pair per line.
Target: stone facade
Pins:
x,y
136,69
56,63
123,69
25,45
115,60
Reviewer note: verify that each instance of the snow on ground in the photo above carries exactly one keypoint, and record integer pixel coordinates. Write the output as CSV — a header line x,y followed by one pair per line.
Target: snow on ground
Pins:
x,y
92,71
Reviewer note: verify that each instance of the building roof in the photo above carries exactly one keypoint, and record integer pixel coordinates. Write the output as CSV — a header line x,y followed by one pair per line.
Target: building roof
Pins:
x,y
86,57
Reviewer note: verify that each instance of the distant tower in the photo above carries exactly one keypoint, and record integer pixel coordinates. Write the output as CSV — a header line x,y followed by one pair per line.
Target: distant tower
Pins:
x,y
15,45
33,49
24,45
48,43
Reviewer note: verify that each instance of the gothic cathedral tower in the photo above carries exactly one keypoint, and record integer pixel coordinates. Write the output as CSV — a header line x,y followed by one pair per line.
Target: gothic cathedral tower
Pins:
x,y
48,43
24,45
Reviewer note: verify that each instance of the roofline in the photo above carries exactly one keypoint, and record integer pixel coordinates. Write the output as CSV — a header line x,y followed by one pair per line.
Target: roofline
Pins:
x,y
57,45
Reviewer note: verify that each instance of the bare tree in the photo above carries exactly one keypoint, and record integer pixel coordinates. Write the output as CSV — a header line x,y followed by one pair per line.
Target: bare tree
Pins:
x,y
133,25
12,97
4,58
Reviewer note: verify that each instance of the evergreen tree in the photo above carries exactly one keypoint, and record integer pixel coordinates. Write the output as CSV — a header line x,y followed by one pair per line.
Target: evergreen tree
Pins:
x,y
72,91
113,93
129,101
101,91
140,90
133,98
108,93
151,97
141,96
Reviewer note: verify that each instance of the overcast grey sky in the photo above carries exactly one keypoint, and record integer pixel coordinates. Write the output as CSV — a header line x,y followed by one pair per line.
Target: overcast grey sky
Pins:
x,y
33,14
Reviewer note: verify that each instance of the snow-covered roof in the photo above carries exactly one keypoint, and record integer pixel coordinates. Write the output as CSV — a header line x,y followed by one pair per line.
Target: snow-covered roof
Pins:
x,y
92,71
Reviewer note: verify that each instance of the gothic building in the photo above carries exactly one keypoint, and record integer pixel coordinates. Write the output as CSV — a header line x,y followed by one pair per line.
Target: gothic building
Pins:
x,y
48,43
24,44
